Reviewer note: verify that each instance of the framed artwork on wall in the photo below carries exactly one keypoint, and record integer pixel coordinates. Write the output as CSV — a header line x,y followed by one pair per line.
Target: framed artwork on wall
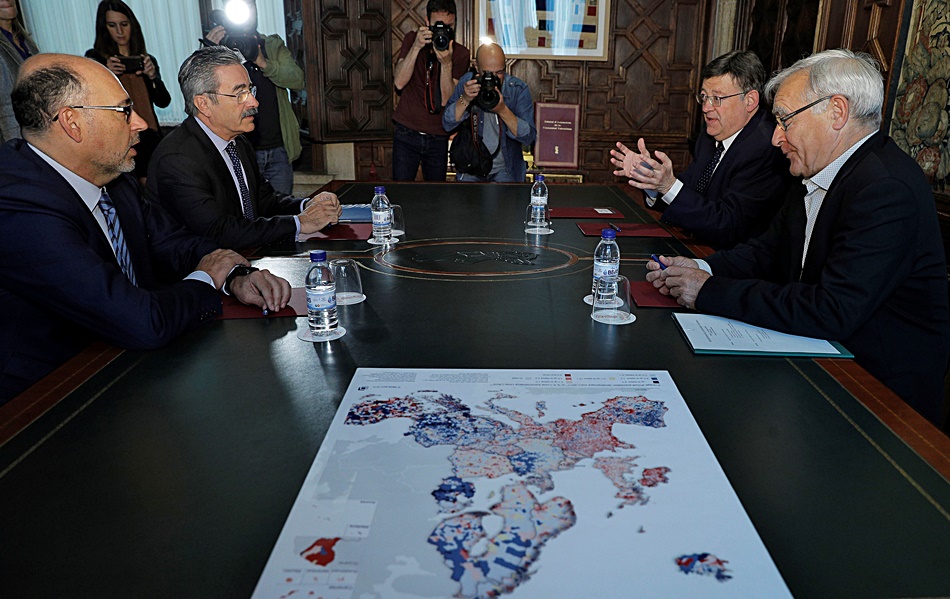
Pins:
x,y
546,29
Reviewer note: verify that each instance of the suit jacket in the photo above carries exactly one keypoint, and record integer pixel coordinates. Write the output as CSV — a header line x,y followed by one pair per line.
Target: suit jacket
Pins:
x,y
874,277
60,283
744,193
192,180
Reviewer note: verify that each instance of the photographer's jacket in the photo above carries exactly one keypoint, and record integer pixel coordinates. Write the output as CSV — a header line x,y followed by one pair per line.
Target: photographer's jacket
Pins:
x,y
518,99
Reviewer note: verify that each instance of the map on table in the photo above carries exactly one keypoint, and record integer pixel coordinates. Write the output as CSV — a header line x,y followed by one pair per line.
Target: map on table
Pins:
x,y
528,483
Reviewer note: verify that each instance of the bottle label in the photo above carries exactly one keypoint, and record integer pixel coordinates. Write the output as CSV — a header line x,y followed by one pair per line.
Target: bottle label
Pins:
x,y
320,300
381,218
606,269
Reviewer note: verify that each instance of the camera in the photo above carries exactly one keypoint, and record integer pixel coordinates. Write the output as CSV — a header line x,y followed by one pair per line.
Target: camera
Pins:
x,y
242,37
488,96
132,64
442,34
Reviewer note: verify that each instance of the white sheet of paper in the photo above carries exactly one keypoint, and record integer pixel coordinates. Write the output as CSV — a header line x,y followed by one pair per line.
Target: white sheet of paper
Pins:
x,y
715,333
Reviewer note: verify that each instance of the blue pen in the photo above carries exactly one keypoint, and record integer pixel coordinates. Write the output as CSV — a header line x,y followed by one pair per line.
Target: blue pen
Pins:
x,y
656,259
265,312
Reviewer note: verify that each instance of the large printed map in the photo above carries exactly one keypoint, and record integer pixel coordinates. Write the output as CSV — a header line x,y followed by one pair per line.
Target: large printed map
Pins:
x,y
465,483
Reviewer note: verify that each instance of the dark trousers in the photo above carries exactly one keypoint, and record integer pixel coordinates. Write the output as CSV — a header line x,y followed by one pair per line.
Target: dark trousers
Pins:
x,y
411,147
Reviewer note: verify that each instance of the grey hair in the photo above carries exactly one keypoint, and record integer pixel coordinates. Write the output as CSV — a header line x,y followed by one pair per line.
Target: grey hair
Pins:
x,y
198,74
39,96
854,75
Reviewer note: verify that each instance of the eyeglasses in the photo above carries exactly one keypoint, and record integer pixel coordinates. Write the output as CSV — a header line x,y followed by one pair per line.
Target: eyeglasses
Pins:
x,y
127,109
241,95
782,121
715,100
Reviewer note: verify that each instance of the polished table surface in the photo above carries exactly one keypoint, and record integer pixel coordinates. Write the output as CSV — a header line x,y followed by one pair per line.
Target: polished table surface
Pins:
x,y
170,473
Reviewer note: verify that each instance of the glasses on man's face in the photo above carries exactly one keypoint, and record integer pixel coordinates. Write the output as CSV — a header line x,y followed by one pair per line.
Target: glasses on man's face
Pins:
x,y
782,121
127,109
715,101
241,96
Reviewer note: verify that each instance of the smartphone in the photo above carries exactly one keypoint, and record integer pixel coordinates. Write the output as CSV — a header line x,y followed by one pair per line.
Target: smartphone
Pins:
x,y
133,64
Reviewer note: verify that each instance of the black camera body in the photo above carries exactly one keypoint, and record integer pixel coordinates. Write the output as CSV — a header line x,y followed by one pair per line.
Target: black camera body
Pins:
x,y
488,96
243,38
442,34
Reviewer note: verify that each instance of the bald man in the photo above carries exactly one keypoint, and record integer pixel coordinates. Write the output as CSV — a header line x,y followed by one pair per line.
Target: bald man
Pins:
x,y
504,128
82,255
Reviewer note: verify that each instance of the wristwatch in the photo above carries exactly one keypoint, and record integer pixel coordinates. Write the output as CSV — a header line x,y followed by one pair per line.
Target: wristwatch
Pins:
x,y
238,271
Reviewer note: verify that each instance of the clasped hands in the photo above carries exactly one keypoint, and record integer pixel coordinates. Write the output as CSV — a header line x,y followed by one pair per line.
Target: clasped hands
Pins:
x,y
321,210
643,171
682,279
259,288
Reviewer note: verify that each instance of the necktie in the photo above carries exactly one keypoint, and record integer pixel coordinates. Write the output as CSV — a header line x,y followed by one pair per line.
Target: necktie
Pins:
x,y
116,236
231,149
710,168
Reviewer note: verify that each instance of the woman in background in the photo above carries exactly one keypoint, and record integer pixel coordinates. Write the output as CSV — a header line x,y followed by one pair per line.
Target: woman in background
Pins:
x,y
15,47
121,48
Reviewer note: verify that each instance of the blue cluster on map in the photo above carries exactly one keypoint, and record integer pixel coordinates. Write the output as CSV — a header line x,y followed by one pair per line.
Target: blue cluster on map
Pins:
x,y
704,564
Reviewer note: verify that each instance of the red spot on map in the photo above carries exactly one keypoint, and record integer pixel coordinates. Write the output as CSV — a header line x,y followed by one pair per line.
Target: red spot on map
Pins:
x,y
321,552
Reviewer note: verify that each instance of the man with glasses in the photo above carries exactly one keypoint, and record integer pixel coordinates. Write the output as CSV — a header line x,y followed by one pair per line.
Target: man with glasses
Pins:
x,y
206,174
736,180
83,256
855,254
504,128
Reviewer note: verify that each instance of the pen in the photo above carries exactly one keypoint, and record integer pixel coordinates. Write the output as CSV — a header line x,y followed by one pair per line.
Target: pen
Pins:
x,y
614,227
265,312
645,165
656,259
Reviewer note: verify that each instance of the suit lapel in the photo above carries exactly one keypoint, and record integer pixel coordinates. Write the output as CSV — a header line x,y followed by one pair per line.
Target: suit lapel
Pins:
x,y
220,166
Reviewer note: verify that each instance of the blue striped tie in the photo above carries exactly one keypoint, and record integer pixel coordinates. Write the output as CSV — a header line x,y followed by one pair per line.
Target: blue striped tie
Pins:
x,y
116,236
231,149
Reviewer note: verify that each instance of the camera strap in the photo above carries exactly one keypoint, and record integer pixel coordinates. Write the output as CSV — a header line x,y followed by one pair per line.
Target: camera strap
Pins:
x,y
433,93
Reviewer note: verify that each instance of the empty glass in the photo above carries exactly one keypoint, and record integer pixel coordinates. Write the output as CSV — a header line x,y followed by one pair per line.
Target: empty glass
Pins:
x,y
611,303
349,287
399,223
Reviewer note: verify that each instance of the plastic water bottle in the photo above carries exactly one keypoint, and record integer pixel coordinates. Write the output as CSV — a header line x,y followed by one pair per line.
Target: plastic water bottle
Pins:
x,y
321,296
382,217
539,191
536,219
606,258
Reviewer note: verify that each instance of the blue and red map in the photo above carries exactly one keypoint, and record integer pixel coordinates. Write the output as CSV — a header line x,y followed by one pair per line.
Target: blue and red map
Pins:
x,y
487,483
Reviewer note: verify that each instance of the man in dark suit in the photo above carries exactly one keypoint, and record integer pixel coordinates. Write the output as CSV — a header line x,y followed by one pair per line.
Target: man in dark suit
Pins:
x,y
82,255
206,174
855,255
736,181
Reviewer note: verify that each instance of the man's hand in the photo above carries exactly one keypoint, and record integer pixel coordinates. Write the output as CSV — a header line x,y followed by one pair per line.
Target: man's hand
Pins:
x,y
261,289
682,279
445,56
219,263
470,90
423,37
259,60
216,35
643,171
319,212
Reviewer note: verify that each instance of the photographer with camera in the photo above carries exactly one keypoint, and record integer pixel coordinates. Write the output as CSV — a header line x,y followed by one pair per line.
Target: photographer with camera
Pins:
x,y
273,70
494,115
430,64
120,47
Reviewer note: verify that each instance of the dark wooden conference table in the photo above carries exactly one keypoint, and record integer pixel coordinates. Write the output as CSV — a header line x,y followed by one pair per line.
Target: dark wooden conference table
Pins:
x,y
170,473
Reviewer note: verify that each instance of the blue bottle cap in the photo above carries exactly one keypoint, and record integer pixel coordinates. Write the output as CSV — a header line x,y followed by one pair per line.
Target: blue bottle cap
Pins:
x,y
318,255
608,234
539,178
380,190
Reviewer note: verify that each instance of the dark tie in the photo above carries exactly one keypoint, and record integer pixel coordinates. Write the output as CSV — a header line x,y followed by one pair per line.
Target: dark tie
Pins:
x,y
710,168
116,236
245,194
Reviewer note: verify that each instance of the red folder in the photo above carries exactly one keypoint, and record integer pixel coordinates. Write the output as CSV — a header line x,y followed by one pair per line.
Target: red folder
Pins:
x,y
235,309
361,231
597,212
648,296
626,229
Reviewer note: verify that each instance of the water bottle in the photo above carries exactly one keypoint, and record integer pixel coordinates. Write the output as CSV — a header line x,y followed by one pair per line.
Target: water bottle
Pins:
x,y
536,218
321,296
606,258
382,217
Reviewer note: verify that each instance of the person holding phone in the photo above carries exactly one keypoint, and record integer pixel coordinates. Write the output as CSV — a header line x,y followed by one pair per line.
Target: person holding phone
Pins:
x,y
15,47
120,46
